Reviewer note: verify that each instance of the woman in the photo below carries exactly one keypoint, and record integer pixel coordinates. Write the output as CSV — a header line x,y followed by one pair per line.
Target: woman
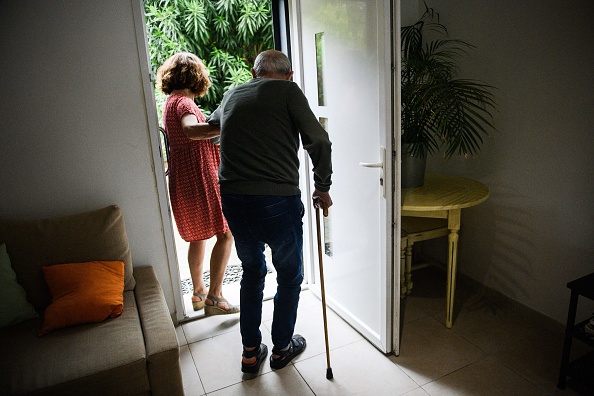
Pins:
x,y
193,178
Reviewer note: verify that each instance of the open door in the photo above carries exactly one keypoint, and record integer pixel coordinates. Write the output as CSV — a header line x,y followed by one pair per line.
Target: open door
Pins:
x,y
343,60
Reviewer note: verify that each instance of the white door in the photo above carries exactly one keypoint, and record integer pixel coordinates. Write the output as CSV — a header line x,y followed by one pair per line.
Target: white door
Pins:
x,y
342,56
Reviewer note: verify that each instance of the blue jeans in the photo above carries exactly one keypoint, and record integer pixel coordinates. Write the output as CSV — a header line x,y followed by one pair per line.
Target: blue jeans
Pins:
x,y
256,220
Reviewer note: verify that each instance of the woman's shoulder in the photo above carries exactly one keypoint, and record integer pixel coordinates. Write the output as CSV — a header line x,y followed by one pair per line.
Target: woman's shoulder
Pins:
x,y
179,98
173,100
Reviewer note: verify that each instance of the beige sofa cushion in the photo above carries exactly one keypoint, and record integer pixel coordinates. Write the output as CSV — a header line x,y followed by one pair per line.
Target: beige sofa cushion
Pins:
x,y
99,235
107,358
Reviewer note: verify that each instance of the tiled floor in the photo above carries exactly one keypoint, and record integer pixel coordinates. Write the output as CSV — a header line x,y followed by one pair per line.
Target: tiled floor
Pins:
x,y
492,349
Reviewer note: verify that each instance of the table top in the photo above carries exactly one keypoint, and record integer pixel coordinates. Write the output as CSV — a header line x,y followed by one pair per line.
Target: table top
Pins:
x,y
444,192
583,286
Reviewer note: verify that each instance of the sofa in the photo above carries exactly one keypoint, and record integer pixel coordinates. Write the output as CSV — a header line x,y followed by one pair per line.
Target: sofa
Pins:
x,y
66,329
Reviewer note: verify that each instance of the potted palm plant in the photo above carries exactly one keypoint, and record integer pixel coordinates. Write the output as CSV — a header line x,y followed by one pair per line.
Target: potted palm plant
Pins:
x,y
440,112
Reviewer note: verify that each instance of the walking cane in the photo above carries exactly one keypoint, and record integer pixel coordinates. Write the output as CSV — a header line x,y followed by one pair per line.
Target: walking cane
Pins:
x,y
329,374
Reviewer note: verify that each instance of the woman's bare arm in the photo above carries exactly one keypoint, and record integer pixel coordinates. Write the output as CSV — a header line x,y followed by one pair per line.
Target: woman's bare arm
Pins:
x,y
198,130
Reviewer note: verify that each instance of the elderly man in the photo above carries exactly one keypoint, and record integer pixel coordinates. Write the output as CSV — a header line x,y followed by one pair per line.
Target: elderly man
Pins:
x,y
261,124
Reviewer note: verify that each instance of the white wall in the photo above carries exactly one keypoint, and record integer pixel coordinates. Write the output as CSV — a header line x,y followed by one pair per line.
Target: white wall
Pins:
x,y
536,231
74,129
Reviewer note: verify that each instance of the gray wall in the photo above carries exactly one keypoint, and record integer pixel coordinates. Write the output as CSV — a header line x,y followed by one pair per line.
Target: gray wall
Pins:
x,y
75,134
536,231
75,130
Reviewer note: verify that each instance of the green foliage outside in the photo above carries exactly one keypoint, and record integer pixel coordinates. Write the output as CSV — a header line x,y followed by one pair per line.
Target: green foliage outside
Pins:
x,y
226,34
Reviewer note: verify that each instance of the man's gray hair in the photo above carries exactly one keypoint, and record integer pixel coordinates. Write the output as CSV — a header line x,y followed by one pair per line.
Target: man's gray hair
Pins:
x,y
271,62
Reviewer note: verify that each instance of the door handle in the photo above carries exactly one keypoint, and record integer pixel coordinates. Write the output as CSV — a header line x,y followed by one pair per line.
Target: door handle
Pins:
x,y
371,164
379,165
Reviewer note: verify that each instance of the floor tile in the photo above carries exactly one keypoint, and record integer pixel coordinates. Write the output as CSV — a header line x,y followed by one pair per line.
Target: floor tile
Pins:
x,y
359,369
490,325
429,289
538,358
310,324
485,377
218,360
492,349
267,309
411,311
191,379
573,389
429,292
417,392
429,350
280,382
181,337
211,326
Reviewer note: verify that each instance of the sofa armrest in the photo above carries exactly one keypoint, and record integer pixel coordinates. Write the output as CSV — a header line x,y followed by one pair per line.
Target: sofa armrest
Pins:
x,y
162,348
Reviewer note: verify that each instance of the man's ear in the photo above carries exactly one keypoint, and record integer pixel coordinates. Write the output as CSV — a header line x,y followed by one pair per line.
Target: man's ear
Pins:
x,y
289,75
253,72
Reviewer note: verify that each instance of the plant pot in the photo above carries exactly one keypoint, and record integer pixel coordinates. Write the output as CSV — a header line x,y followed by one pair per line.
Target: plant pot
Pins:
x,y
412,170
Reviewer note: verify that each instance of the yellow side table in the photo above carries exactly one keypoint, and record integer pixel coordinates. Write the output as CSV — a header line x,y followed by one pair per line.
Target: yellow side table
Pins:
x,y
441,197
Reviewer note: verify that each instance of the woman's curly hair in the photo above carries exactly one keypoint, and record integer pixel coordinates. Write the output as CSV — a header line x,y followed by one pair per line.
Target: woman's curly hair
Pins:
x,y
183,70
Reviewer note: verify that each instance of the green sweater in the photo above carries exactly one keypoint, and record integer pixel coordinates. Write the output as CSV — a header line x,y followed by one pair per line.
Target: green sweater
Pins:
x,y
261,122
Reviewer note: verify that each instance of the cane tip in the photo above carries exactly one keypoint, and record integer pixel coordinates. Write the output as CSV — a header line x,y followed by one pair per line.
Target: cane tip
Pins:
x,y
329,374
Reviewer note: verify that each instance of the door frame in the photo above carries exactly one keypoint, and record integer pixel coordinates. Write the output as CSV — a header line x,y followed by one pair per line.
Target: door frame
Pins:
x,y
156,154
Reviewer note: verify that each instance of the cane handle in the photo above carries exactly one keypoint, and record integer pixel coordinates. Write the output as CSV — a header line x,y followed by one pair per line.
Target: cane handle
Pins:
x,y
324,208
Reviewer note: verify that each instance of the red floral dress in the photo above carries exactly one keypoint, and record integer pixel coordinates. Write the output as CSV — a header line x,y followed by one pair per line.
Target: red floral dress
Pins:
x,y
193,175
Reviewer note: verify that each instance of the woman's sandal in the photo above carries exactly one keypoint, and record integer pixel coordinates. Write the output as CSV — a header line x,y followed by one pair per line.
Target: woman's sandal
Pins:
x,y
198,305
258,353
296,346
216,310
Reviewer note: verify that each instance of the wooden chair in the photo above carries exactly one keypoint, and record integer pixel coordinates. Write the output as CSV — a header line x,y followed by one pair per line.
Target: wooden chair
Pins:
x,y
416,229
403,245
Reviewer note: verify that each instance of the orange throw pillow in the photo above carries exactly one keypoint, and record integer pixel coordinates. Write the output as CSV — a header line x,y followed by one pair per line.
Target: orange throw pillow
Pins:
x,y
83,293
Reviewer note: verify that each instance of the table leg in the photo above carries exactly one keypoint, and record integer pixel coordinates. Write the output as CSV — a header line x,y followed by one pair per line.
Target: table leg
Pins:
x,y
402,269
454,227
409,284
568,338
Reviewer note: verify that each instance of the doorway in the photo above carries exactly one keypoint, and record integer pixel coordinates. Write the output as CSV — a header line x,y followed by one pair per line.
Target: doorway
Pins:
x,y
226,36
231,281
361,119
